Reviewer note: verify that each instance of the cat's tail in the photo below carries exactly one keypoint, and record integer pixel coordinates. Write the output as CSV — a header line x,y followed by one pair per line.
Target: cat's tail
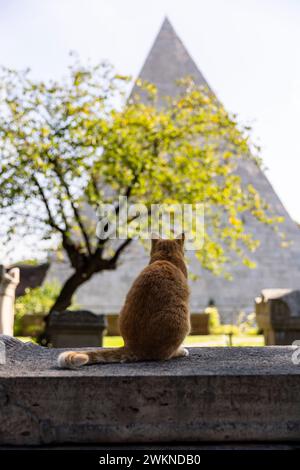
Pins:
x,y
73,359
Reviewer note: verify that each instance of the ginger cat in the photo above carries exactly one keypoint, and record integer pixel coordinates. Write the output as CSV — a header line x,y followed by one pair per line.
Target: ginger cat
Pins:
x,y
155,318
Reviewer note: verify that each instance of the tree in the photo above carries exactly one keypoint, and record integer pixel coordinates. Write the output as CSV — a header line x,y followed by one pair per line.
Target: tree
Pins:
x,y
69,145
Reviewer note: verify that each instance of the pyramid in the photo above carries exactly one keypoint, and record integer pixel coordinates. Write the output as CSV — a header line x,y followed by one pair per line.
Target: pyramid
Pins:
x,y
167,62
276,267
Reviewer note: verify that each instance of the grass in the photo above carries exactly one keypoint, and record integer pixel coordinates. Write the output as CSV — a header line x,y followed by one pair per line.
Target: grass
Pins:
x,y
112,341
191,341
198,341
26,339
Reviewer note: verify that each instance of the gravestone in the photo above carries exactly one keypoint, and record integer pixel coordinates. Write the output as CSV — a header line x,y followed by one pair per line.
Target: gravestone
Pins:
x,y
278,315
216,395
200,323
9,280
75,329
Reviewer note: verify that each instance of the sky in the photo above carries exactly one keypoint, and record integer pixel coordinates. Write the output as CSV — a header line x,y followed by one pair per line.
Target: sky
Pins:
x,y
248,50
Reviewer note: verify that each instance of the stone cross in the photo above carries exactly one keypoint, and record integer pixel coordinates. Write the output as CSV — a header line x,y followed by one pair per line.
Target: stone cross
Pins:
x,y
9,279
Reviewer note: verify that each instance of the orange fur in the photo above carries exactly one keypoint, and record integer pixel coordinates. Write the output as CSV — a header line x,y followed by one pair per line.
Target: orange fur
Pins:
x,y
155,317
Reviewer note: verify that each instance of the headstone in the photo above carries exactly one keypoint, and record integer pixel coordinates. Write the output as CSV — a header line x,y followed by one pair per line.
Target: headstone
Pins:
x,y
75,329
9,279
112,325
200,323
215,395
278,315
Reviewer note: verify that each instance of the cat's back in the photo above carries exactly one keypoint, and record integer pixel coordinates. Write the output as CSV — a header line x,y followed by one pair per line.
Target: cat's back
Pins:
x,y
160,284
160,273
155,318
155,315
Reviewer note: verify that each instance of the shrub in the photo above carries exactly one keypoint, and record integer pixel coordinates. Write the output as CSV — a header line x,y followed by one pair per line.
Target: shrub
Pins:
x,y
214,319
37,301
247,323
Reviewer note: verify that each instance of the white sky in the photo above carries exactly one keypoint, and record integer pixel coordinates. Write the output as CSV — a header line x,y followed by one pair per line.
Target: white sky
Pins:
x,y
248,50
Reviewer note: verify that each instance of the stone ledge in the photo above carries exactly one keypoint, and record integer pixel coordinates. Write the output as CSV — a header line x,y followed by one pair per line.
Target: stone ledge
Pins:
x,y
214,395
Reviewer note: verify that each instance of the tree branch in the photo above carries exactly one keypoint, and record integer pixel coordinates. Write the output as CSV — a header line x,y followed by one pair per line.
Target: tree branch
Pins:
x,y
76,258
74,208
45,201
119,250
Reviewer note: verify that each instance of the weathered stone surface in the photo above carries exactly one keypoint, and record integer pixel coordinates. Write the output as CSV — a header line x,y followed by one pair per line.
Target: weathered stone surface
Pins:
x,y
215,394
167,62
278,315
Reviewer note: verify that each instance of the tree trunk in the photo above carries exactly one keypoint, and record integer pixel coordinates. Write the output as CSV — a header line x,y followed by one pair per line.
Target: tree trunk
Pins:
x,y
79,277
83,274
64,298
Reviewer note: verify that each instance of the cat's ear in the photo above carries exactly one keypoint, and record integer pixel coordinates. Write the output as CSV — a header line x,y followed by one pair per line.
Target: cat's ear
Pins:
x,y
180,239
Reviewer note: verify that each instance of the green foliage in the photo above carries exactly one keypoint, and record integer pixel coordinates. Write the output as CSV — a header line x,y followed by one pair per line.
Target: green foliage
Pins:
x,y
227,329
215,326
28,262
37,301
214,319
247,323
65,145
